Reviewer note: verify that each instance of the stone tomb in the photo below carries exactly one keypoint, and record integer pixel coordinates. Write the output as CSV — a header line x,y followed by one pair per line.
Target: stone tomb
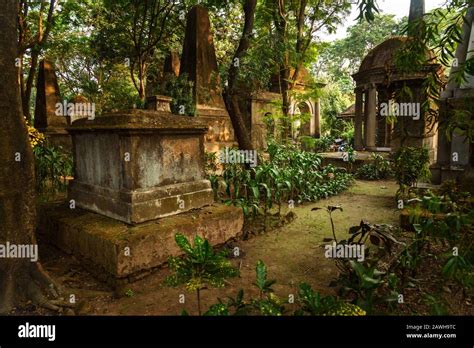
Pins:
x,y
139,179
139,165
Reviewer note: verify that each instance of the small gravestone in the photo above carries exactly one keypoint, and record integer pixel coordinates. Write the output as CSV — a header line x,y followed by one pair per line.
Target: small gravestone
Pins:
x,y
158,103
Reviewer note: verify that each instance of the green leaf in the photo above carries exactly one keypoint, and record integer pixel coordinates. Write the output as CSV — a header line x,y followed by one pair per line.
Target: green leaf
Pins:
x,y
218,309
261,271
183,243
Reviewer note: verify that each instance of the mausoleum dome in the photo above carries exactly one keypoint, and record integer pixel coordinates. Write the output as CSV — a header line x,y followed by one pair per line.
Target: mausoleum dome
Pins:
x,y
380,61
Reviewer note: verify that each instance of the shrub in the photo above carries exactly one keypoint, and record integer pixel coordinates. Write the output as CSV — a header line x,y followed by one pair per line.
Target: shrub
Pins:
x,y
180,89
378,168
199,267
52,166
411,165
348,134
36,137
323,144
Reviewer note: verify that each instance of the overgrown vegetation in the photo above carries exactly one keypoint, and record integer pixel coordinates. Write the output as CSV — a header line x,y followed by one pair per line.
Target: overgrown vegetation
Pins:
x,y
410,165
52,164
290,176
378,168
440,246
200,267
180,89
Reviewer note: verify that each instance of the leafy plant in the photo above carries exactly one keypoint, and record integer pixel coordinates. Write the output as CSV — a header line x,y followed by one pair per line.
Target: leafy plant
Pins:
x,y
436,305
262,283
348,133
322,144
411,165
52,166
363,281
311,301
36,137
267,303
210,164
349,156
200,266
379,235
289,175
180,89
330,209
378,168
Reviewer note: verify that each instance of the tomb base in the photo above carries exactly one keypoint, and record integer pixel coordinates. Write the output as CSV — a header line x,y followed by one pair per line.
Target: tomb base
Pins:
x,y
138,206
119,253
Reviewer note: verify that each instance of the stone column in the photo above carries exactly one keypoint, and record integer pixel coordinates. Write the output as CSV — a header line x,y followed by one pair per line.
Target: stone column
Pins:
x,y
317,117
358,142
388,134
371,121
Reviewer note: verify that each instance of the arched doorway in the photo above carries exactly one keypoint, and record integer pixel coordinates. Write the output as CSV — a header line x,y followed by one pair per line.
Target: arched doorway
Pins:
x,y
301,120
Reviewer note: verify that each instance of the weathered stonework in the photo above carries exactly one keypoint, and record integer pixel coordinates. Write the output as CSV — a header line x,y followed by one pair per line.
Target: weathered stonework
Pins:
x,y
380,81
139,165
199,63
47,97
158,103
100,242
456,153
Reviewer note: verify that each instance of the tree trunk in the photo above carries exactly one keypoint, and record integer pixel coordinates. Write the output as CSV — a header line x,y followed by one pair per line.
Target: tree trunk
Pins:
x,y
230,94
41,38
198,293
285,95
141,80
281,26
26,98
20,279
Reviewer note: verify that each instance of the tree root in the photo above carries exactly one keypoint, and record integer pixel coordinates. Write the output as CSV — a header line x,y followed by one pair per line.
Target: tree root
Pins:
x,y
26,282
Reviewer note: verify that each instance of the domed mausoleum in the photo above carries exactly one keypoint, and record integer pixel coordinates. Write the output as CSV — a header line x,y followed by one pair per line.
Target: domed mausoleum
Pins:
x,y
389,102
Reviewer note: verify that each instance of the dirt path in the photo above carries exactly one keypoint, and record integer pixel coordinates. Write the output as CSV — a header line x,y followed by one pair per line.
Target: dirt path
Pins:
x,y
292,254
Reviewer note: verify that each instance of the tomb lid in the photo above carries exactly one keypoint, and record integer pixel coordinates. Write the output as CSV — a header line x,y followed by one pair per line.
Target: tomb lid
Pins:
x,y
141,120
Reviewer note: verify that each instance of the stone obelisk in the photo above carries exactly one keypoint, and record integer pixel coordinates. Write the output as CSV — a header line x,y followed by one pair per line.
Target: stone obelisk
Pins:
x,y
199,63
